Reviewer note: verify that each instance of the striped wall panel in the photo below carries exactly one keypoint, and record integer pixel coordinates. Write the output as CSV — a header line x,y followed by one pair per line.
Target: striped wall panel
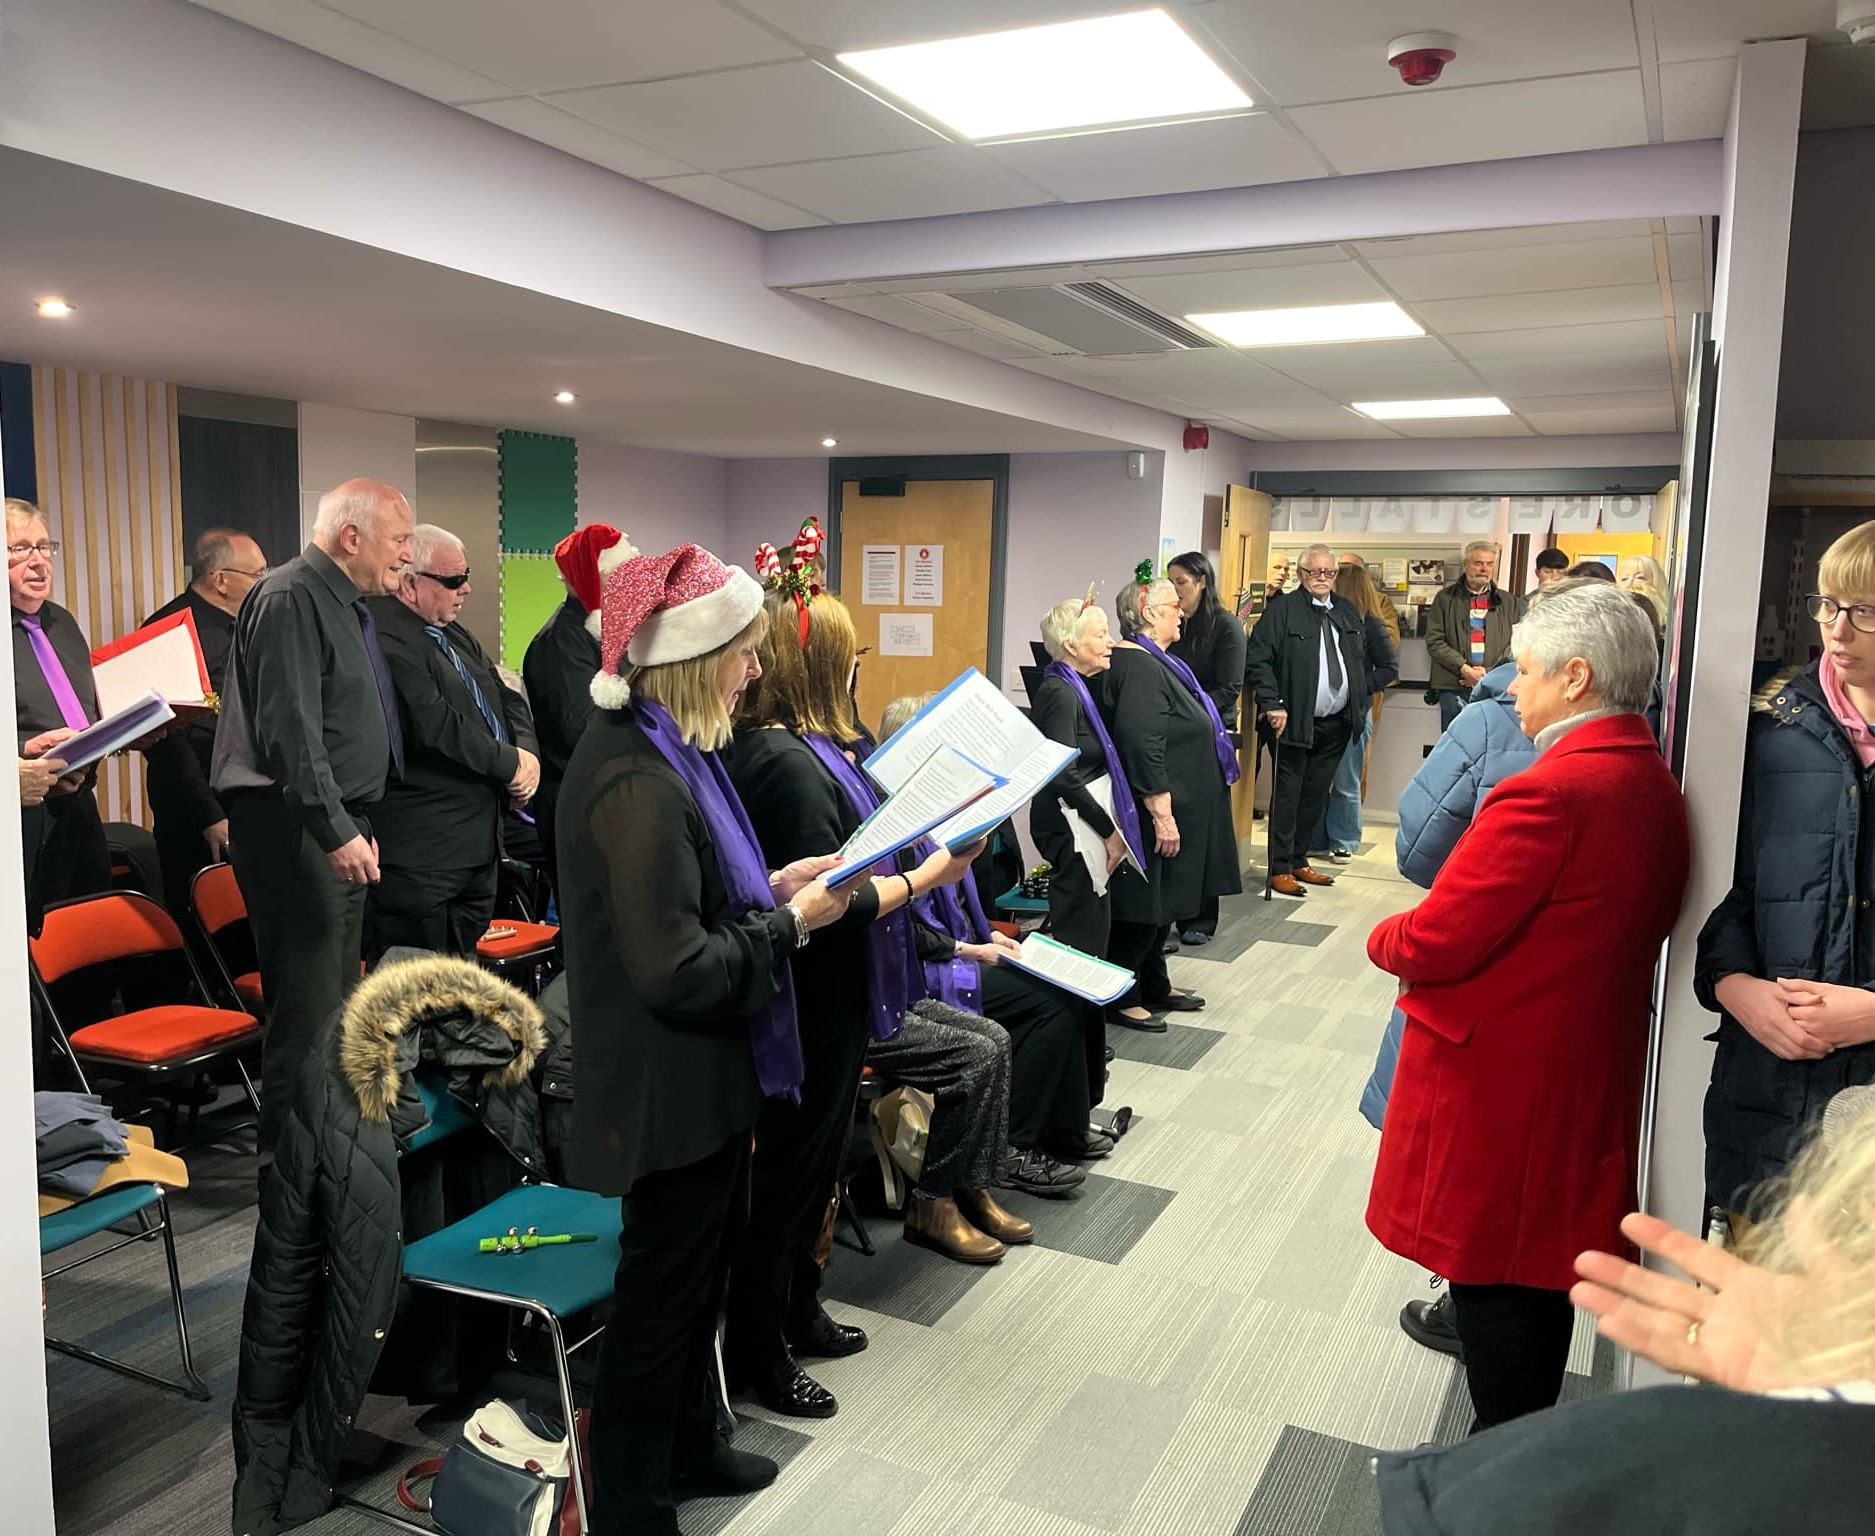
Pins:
x,y
110,488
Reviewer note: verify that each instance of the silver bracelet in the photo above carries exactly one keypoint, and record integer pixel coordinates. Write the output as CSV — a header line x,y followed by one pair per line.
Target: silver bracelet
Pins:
x,y
800,924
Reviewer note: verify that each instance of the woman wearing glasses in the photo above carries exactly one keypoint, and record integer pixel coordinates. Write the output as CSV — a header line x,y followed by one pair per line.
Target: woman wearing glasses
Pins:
x,y
1788,957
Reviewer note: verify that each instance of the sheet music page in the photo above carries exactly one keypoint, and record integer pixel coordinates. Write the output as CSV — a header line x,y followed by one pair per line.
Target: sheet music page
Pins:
x,y
166,664
1026,780
1091,846
1071,969
945,783
971,715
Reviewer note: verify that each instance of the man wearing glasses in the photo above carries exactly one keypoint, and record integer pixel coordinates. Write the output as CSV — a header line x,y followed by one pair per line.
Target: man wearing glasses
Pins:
x,y
1306,665
469,752
190,826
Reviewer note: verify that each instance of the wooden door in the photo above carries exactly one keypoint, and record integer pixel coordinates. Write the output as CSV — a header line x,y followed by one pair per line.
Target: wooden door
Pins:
x,y
950,519
1244,562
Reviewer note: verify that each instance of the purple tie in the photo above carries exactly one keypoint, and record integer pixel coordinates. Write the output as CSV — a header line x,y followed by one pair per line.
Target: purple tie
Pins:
x,y
63,694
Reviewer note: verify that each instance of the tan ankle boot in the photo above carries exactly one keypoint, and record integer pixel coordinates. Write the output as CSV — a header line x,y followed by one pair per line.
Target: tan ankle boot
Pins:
x,y
939,1224
981,1211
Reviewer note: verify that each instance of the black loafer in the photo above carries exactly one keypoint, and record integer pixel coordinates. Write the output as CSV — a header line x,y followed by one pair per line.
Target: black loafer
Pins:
x,y
1169,947
824,1339
1149,1025
726,1473
1178,1002
1194,937
1430,1323
791,1392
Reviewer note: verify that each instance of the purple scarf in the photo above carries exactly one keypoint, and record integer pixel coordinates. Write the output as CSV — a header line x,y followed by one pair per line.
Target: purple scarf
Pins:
x,y
1125,810
892,982
773,1037
956,981
1226,753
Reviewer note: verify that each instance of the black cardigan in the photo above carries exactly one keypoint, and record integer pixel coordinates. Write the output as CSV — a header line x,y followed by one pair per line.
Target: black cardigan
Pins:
x,y
1057,713
1216,660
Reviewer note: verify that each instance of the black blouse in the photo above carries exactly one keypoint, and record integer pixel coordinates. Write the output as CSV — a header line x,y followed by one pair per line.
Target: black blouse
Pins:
x,y
1216,660
1057,713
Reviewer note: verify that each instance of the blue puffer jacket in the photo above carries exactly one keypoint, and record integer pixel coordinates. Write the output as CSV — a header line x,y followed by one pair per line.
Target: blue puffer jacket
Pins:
x,y
1798,907
1484,746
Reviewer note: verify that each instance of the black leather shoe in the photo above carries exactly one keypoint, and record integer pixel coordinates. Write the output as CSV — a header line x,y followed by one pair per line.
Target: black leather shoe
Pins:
x,y
824,1339
726,1473
1178,1002
791,1392
1430,1323
1149,1025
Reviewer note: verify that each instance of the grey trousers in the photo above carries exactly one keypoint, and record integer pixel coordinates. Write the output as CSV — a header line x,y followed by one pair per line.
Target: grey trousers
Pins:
x,y
961,1060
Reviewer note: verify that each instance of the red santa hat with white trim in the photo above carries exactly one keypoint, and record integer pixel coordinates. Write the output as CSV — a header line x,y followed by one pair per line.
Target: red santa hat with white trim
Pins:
x,y
586,556
669,607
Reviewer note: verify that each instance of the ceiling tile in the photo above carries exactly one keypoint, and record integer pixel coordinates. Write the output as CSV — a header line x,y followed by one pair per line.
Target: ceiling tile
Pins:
x,y
1621,419
1686,224
1325,425
351,42
1504,239
1525,269
1208,293
1529,377
576,136
1345,356
1498,122
1686,258
1564,340
901,313
1689,298
737,202
1443,380
1467,426
1200,371
919,184
1708,29
986,345
845,25
1696,98
1527,311
1234,261
963,282
1618,400
551,45
766,116
1332,50
1175,157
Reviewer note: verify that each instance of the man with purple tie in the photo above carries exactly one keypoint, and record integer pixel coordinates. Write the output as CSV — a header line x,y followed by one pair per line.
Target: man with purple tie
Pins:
x,y
307,737
52,691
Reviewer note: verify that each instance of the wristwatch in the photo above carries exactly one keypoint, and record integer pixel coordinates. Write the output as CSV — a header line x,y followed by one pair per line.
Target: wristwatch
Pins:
x,y
800,924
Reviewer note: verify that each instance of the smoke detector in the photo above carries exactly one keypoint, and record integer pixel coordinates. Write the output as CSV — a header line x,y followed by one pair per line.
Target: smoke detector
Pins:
x,y
1421,57
1857,18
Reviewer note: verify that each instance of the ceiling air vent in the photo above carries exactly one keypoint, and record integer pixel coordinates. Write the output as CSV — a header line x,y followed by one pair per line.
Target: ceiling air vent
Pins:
x,y
1087,318
1129,308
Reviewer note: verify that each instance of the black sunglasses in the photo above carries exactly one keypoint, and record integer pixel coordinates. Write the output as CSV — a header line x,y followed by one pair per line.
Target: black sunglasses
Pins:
x,y
452,582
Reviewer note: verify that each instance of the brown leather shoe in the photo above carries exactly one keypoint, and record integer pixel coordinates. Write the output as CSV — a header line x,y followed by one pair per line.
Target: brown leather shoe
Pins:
x,y
1310,876
1286,885
939,1224
981,1211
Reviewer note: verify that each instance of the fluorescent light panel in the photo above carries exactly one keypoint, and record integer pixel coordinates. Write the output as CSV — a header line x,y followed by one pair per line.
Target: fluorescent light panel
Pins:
x,y
1317,325
1107,70
1431,410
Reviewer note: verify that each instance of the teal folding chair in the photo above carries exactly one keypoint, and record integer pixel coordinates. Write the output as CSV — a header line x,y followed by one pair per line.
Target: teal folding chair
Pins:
x,y
146,1205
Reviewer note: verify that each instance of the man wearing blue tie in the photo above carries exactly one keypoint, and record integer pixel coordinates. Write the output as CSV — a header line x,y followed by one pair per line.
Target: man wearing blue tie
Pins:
x,y
469,752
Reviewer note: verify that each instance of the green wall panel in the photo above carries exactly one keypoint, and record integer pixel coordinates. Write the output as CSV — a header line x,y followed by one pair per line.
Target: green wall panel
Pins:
x,y
530,590
539,490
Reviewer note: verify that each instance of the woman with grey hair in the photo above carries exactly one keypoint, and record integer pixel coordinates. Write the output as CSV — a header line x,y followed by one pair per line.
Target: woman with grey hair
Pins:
x,y
1512,1135
1167,743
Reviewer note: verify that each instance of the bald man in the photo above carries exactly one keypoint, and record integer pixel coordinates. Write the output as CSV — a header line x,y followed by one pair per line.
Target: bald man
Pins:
x,y
307,738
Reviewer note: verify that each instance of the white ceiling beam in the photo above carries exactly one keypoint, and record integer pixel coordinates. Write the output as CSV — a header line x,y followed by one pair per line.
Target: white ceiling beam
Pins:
x,y
1642,182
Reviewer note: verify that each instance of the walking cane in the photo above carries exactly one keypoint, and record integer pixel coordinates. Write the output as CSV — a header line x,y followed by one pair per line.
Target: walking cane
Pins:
x,y
1269,825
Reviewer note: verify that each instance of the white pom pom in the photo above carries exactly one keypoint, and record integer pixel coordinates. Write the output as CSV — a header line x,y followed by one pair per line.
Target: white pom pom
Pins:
x,y
611,559
610,691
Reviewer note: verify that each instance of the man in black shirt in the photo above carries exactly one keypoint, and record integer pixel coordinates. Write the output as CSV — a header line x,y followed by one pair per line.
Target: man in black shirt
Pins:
x,y
190,826
307,737
469,751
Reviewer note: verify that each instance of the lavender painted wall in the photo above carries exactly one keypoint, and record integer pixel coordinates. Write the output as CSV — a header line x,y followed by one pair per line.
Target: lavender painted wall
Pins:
x,y
768,500
660,499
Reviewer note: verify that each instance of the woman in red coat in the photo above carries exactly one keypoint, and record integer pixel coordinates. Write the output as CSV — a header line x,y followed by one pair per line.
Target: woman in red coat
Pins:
x,y
1512,1139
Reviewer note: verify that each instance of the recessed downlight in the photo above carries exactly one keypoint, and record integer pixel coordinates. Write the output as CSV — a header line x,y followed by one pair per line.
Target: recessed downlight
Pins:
x,y
1316,325
1431,410
55,309
829,442
564,397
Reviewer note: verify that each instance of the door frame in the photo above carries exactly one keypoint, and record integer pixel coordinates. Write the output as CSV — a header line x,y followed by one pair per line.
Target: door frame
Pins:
x,y
993,467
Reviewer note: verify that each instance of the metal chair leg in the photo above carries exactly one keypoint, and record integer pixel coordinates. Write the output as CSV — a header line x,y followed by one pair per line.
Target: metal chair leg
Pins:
x,y
570,1409
861,1239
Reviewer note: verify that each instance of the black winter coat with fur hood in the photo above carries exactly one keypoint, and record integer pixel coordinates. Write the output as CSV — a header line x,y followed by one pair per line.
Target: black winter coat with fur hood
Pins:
x,y
328,1253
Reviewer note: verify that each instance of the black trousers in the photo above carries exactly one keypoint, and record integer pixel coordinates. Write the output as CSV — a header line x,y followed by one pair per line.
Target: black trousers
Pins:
x,y
799,1149
1304,776
72,859
1205,921
1076,916
652,1397
1057,1048
1140,948
443,910
1516,1342
308,933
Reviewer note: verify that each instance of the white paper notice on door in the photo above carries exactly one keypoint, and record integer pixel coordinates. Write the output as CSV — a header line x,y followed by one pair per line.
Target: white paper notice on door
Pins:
x,y
881,579
904,634
924,574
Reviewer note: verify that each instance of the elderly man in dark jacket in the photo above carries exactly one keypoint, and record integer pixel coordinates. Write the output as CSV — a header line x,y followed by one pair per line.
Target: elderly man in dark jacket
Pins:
x,y
1468,630
1306,666
328,1253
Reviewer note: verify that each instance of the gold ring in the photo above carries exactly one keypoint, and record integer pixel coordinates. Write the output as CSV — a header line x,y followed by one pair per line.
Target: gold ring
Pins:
x,y
1692,1334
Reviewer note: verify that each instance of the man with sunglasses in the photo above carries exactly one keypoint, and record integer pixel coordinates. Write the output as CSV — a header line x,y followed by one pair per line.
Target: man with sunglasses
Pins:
x,y
189,823
469,752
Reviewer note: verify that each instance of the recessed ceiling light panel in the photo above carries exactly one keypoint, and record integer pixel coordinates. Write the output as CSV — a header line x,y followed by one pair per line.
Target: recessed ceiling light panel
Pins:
x,y
1101,72
1316,325
1431,410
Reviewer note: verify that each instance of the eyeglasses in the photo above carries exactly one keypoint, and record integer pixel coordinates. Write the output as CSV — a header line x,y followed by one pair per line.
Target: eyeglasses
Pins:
x,y
17,554
1319,570
235,570
454,583
1824,611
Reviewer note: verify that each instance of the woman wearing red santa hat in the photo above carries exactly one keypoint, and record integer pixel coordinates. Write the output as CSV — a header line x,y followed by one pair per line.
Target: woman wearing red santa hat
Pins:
x,y
560,663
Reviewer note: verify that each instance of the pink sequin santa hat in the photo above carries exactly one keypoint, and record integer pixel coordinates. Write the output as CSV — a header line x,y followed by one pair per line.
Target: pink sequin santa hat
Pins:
x,y
668,607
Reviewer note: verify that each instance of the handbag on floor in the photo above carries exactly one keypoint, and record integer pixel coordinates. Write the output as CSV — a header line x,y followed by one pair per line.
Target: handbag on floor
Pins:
x,y
901,1129
506,1474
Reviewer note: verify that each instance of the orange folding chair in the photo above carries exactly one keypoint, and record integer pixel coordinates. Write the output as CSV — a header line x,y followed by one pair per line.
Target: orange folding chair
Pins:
x,y
220,912
167,1042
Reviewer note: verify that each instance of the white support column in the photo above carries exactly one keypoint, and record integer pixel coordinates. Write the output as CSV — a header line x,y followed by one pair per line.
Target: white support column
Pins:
x,y
338,444
1754,240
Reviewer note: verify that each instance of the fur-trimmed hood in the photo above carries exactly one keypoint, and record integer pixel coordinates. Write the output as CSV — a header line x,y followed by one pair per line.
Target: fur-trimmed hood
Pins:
x,y
473,1020
1766,700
